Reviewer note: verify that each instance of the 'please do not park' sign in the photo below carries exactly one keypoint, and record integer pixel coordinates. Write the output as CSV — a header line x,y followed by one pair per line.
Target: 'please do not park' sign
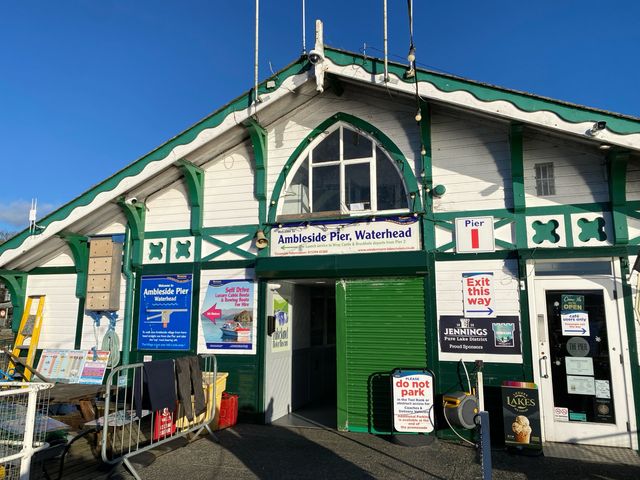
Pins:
x,y
412,401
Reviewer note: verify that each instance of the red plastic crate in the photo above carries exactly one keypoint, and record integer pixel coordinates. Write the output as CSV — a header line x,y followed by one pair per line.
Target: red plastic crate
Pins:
x,y
228,410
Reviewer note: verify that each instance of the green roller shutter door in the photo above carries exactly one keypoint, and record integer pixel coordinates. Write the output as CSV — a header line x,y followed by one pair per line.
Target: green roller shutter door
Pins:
x,y
380,326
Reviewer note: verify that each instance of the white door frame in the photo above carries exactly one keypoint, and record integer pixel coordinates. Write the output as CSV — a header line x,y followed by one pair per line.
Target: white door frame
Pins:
x,y
623,399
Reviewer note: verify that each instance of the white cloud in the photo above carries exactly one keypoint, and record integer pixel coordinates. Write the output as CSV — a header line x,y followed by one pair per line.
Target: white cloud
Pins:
x,y
16,213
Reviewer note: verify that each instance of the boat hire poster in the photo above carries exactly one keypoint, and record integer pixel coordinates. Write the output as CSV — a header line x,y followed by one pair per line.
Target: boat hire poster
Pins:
x,y
228,317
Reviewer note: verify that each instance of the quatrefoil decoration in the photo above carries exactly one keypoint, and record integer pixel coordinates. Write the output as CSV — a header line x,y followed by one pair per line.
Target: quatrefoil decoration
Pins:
x,y
155,250
592,229
546,231
182,249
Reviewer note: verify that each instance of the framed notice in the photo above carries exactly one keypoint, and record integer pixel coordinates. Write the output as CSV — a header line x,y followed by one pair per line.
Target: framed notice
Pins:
x,y
165,312
227,317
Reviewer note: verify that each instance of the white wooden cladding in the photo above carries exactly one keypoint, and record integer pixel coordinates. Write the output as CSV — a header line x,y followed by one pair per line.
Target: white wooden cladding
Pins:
x,y
471,158
579,171
60,308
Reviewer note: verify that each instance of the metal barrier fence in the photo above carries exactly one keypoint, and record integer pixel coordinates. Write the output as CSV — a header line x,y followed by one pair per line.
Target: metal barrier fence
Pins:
x,y
23,425
126,433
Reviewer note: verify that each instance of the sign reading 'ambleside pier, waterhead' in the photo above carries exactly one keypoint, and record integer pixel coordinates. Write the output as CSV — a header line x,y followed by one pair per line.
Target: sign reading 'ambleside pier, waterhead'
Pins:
x,y
327,238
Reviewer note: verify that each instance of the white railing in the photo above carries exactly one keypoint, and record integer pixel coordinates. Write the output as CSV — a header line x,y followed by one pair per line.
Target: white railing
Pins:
x,y
23,425
128,429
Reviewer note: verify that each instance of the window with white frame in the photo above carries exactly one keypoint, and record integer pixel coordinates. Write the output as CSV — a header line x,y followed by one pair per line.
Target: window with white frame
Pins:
x,y
344,173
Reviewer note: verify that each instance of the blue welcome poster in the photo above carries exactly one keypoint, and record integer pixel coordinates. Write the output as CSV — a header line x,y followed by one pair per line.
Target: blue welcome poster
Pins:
x,y
165,312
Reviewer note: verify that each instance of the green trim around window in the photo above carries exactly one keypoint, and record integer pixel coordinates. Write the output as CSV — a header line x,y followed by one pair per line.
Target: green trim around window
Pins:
x,y
385,142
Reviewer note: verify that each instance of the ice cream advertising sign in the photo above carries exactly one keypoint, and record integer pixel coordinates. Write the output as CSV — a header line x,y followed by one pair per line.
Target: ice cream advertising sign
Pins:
x,y
326,238
412,401
521,414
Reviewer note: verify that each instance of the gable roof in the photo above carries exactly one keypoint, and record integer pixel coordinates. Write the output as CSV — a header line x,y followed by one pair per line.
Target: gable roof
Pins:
x,y
523,107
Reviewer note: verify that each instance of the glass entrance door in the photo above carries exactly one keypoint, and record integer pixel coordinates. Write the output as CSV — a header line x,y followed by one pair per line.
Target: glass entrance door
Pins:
x,y
579,362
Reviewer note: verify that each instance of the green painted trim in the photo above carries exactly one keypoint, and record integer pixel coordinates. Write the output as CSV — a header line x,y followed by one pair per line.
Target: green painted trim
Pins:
x,y
227,247
617,163
162,234
425,172
568,228
489,93
231,230
79,246
239,104
77,342
52,271
504,245
258,136
431,311
525,321
342,376
135,214
569,209
386,143
16,283
576,252
194,178
348,265
629,317
502,223
446,246
261,348
452,256
496,213
228,264
195,311
517,184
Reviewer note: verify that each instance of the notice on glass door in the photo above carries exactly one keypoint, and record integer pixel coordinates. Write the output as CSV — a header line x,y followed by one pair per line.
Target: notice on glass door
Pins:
x,y
579,365
574,324
581,385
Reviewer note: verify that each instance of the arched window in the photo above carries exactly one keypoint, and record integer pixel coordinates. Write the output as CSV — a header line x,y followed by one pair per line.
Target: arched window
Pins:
x,y
344,173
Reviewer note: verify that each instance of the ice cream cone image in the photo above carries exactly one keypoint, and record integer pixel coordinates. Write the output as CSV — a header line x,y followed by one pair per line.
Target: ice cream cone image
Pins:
x,y
521,429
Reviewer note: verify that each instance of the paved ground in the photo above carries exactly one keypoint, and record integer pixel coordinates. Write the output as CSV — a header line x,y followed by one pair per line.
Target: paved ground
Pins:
x,y
268,452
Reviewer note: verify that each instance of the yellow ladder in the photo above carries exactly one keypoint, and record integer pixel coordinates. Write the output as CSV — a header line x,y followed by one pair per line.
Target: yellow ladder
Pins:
x,y
28,335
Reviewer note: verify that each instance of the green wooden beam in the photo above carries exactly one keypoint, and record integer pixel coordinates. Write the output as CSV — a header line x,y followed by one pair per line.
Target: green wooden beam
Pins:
x,y
16,283
517,184
194,178
258,136
135,214
617,163
79,246
425,174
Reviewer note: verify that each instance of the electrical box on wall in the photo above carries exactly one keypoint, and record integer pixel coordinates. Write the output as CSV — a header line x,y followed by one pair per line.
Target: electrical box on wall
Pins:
x,y
104,273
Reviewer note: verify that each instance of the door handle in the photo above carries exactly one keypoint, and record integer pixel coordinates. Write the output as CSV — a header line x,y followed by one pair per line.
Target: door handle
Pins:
x,y
543,363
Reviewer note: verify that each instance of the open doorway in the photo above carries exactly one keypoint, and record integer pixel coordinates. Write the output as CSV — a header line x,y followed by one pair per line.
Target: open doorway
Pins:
x,y
301,354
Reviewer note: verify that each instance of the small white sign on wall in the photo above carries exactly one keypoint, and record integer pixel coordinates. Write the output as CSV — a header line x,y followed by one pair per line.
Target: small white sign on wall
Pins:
x,y
475,235
477,294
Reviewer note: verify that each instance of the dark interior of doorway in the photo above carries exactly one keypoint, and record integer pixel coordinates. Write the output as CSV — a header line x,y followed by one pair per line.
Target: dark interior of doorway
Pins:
x,y
314,380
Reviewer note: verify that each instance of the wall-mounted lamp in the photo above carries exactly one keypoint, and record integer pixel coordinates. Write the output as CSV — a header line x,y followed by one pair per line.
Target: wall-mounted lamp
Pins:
x,y
261,240
438,191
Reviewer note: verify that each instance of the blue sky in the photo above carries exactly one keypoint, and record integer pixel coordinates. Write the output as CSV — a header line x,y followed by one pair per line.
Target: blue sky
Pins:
x,y
87,86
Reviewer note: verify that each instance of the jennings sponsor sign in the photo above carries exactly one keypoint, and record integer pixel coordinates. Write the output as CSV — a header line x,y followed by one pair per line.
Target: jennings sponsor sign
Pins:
x,y
326,238
495,336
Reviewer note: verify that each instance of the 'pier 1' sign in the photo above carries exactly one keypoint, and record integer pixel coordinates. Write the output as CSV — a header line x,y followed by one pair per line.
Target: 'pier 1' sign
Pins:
x,y
475,235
